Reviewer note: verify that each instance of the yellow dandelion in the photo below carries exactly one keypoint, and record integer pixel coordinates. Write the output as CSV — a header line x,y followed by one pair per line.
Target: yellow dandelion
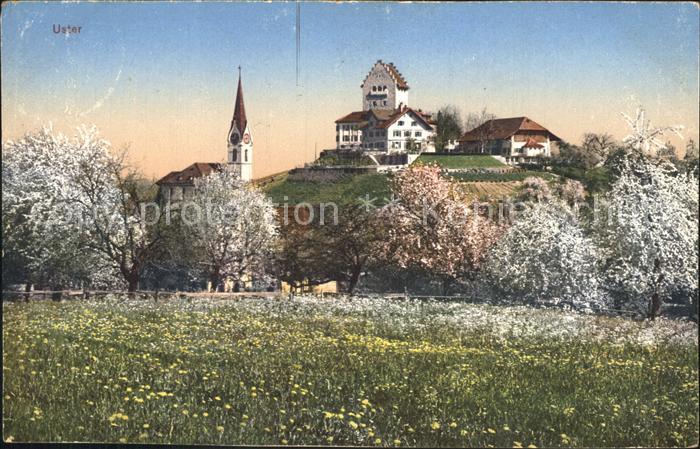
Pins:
x,y
435,425
490,430
220,428
146,426
397,442
352,424
378,441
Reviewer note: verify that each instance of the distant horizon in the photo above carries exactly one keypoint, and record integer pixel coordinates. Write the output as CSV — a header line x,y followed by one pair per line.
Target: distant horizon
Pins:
x,y
161,77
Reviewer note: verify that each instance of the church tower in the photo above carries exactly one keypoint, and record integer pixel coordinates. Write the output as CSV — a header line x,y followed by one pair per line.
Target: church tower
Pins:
x,y
240,139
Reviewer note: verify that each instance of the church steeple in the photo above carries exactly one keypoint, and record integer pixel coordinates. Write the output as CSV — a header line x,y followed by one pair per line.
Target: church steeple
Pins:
x,y
239,118
240,138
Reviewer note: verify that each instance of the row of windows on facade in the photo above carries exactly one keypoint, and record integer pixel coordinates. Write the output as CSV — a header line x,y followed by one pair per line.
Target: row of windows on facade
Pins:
x,y
380,145
379,89
354,127
396,134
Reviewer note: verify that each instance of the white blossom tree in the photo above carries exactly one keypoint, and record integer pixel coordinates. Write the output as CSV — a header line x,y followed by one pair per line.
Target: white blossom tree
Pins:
x,y
79,206
42,212
651,234
546,256
232,225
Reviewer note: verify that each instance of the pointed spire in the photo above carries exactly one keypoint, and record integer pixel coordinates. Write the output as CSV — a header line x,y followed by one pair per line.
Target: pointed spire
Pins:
x,y
239,117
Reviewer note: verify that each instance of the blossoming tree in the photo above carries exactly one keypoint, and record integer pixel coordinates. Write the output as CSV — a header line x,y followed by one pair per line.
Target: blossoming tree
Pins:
x,y
233,227
430,225
546,256
651,234
43,210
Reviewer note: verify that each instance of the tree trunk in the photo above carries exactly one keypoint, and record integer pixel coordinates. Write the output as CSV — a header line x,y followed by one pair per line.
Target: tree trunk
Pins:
x,y
27,289
354,277
654,306
215,280
446,284
57,294
133,282
655,303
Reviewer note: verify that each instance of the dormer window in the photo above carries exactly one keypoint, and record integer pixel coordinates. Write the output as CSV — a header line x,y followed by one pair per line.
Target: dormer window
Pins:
x,y
400,122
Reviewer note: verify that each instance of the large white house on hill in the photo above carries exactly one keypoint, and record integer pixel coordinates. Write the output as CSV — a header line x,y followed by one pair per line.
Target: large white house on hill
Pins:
x,y
386,124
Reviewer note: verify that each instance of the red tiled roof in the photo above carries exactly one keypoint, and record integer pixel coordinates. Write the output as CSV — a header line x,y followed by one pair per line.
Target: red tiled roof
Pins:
x,y
384,117
353,117
394,72
188,175
400,81
504,128
532,143
398,113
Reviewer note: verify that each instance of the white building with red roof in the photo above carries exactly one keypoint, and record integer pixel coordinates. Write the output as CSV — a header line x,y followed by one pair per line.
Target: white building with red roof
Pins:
x,y
386,124
516,139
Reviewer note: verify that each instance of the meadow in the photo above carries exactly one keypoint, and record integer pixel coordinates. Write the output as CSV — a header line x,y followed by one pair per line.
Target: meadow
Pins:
x,y
351,371
459,160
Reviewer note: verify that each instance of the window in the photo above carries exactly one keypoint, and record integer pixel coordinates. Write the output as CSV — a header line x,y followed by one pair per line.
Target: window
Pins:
x,y
337,127
407,133
384,87
418,134
397,133
400,122
346,138
414,124
381,144
354,138
245,156
374,103
384,103
337,137
374,88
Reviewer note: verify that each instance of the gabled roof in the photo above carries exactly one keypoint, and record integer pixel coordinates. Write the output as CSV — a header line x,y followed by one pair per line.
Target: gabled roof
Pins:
x,y
400,112
504,128
400,81
384,117
353,117
188,175
393,71
532,143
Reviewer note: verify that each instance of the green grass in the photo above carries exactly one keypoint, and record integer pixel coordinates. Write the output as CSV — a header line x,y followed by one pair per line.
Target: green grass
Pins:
x,y
275,372
347,189
460,161
514,176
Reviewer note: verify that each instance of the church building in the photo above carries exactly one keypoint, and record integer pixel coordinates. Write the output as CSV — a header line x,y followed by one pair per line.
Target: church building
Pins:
x,y
179,185
386,124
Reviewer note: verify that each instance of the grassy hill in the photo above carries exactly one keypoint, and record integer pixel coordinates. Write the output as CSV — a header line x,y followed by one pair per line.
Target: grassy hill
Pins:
x,y
348,189
460,161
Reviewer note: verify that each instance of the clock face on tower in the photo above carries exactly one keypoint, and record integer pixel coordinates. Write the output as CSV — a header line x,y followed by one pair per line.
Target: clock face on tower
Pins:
x,y
234,138
246,138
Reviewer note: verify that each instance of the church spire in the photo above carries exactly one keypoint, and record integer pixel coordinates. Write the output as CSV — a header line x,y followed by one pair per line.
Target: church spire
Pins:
x,y
239,117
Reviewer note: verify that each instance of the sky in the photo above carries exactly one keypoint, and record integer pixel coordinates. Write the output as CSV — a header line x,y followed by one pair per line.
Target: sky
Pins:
x,y
161,77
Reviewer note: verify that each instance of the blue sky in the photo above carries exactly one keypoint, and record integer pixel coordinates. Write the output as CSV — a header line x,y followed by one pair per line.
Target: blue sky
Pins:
x,y
161,76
